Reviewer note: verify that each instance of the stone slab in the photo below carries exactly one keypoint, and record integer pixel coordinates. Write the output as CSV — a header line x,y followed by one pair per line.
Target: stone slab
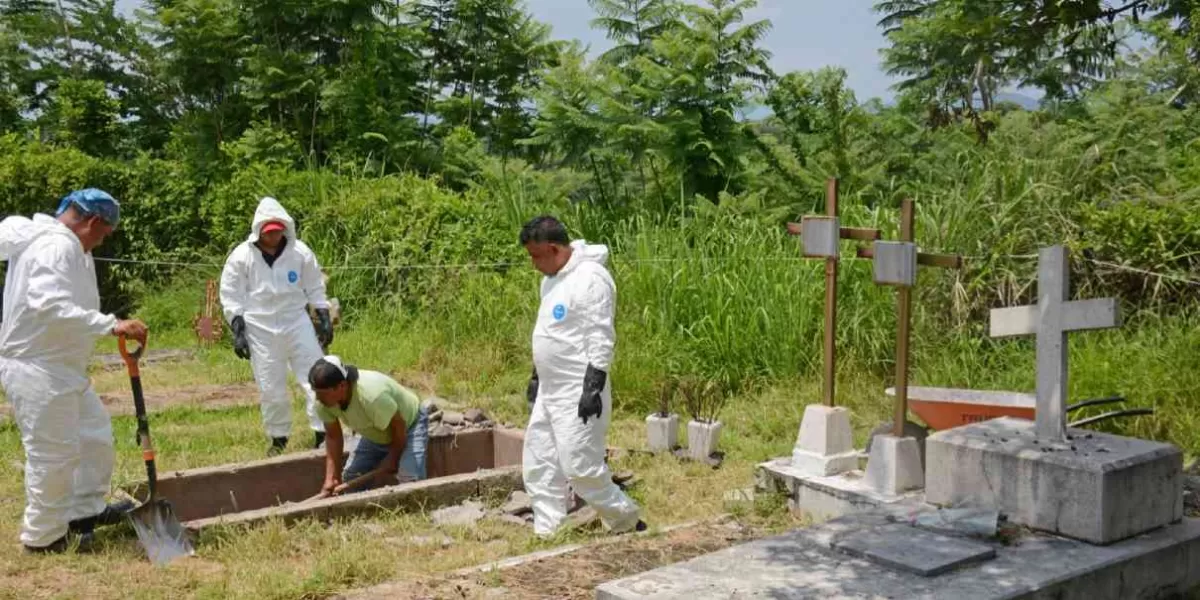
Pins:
x,y
827,497
801,564
914,550
1095,487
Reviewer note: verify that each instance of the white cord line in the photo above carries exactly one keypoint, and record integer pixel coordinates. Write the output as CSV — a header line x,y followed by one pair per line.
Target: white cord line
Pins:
x,y
634,261
1144,272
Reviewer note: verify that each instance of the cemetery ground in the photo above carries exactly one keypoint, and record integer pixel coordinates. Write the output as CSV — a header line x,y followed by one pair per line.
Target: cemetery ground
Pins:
x,y
207,414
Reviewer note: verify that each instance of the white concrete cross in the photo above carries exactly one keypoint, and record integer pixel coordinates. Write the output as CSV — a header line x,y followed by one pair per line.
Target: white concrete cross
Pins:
x,y
1051,319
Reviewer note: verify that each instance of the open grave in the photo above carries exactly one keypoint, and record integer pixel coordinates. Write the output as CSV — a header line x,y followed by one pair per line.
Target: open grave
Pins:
x,y
460,464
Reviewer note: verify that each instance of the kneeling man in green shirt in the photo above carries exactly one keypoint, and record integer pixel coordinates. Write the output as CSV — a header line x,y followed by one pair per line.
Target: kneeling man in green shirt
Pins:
x,y
394,427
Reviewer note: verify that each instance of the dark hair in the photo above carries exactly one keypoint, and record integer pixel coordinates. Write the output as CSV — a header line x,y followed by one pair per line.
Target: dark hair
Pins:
x,y
325,375
545,229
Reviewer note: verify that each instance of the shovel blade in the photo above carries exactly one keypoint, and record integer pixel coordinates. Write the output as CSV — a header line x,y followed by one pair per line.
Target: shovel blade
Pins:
x,y
160,532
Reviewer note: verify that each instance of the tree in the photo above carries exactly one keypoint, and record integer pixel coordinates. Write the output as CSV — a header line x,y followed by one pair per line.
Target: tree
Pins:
x,y
85,116
203,55
633,25
955,54
485,54
709,68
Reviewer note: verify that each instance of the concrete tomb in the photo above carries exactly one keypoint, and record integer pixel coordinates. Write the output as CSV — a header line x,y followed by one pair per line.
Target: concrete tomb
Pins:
x,y
1091,486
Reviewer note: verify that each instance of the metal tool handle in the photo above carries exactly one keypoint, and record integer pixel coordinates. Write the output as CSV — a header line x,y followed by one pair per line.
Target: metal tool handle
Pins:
x,y
139,405
349,485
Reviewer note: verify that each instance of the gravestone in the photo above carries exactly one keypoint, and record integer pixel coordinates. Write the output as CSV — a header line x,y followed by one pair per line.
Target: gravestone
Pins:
x,y
1091,486
1051,319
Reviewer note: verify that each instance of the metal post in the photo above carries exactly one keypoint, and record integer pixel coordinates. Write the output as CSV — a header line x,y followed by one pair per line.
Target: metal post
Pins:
x,y
831,272
903,312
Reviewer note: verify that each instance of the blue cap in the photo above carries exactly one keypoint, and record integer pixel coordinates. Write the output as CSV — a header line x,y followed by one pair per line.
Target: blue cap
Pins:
x,y
93,202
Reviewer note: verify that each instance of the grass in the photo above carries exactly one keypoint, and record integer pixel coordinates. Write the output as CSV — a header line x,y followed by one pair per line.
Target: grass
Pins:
x,y
472,359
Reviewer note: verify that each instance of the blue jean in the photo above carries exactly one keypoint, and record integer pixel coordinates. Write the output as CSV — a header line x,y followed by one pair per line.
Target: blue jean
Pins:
x,y
368,454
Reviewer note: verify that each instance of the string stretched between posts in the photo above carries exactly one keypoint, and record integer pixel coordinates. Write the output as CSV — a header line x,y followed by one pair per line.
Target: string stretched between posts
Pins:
x,y
1144,272
630,261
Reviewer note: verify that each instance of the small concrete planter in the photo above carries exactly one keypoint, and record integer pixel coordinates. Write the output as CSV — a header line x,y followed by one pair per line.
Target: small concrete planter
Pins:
x,y
703,438
662,432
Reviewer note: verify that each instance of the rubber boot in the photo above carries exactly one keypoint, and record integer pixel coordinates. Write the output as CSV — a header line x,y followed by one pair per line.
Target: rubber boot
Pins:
x,y
278,445
320,439
111,515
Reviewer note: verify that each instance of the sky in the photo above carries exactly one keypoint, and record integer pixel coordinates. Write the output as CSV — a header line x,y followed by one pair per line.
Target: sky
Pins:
x,y
806,35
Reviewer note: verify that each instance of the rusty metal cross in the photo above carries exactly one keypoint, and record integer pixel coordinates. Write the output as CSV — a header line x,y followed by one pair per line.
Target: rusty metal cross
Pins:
x,y
896,265
820,236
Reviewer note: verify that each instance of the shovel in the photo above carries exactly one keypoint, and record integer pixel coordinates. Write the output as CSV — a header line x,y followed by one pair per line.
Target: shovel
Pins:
x,y
158,529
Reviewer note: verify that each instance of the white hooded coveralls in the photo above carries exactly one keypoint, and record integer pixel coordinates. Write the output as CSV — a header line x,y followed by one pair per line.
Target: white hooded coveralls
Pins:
x,y
272,300
51,322
574,328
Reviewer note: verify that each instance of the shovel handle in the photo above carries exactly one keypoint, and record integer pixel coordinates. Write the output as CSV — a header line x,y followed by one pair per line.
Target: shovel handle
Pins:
x,y
139,405
349,485
131,358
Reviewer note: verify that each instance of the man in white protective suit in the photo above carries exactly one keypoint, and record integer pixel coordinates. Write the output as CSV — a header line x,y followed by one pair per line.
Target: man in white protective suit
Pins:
x,y
268,281
570,394
52,320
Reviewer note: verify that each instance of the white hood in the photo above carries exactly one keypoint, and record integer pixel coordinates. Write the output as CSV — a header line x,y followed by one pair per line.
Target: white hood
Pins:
x,y
269,209
582,252
17,233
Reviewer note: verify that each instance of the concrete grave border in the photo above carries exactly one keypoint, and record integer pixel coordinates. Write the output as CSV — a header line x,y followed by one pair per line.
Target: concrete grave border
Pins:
x,y
469,463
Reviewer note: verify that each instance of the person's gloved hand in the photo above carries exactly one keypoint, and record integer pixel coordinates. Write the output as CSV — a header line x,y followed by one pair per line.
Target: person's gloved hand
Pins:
x,y
324,327
241,346
532,390
591,405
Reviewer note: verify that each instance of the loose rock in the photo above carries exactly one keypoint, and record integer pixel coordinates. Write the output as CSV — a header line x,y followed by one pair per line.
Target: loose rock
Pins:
x,y
450,417
585,517
426,541
441,430
468,513
518,504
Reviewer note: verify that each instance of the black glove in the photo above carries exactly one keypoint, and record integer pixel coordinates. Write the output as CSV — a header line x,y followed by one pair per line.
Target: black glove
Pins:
x,y
590,405
531,391
241,347
324,327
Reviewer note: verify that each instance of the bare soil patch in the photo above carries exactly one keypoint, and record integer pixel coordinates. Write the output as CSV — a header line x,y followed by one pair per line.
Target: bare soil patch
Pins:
x,y
574,575
202,396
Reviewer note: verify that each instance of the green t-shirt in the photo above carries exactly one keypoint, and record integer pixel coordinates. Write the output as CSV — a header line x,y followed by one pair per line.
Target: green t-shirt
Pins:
x,y
375,400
